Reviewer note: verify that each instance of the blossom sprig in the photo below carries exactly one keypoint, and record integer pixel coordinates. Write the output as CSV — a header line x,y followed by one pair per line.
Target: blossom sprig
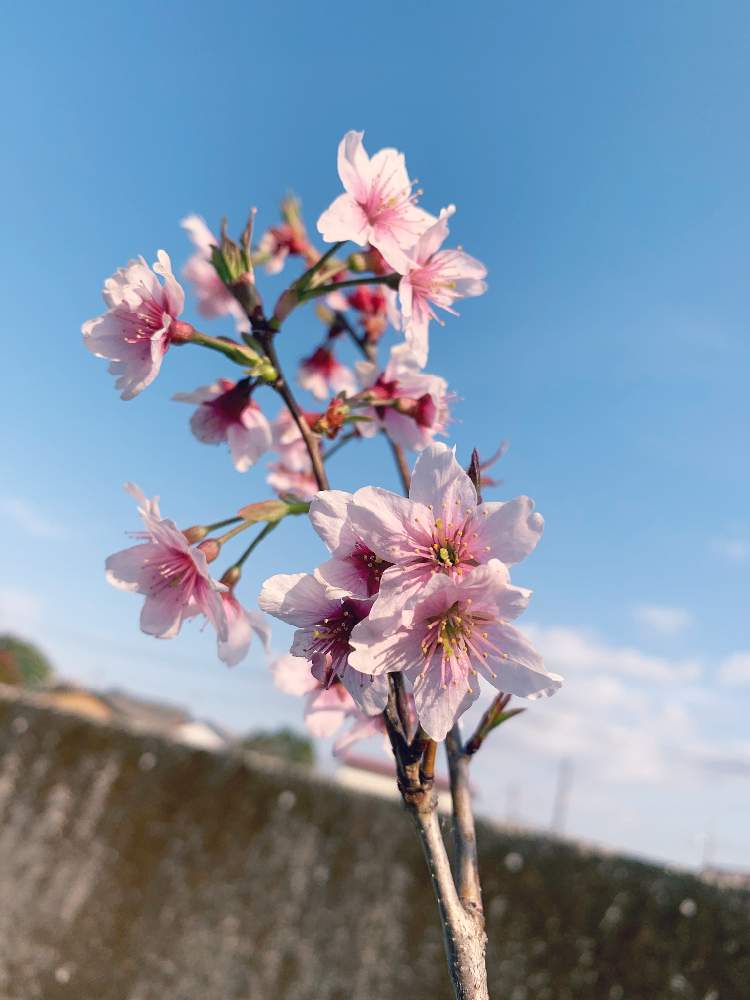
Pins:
x,y
414,607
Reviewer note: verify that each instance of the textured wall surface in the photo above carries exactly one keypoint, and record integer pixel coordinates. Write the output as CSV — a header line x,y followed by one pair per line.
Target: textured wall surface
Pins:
x,y
136,869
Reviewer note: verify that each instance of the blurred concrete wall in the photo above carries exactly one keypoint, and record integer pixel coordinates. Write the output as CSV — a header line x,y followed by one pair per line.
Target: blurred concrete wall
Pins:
x,y
136,869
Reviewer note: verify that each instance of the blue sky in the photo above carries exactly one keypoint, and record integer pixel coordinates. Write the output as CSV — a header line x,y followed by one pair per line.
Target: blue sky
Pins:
x,y
599,157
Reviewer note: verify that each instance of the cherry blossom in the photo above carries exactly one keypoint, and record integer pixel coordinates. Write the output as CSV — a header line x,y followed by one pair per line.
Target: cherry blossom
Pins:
x,y
440,529
327,709
297,484
171,574
288,443
378,206
323,629
241,624
458,633
424,400
214,298
226,412
435,277
136,331
353,569
323,375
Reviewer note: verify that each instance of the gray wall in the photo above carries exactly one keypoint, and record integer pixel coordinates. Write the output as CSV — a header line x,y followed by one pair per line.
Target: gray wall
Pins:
x,y
135,869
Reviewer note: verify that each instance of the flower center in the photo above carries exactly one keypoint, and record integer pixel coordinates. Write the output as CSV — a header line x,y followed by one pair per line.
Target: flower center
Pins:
x,y
457,640
371,567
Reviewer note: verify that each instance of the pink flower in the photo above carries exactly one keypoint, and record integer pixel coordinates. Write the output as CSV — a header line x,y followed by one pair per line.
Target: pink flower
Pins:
x,y
289,443
378,206
214,298
326,708
323,375
292,475
278,242
323,629
424,410
227,413
172,575
298,484
241,624
136,331
353,569
458,632
440,530
435,277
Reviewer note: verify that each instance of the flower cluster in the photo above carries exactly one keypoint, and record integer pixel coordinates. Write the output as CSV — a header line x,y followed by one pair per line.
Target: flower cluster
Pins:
x,y
418,586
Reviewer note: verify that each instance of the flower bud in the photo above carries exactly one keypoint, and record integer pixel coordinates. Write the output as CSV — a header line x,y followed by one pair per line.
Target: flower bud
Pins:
x,y
210,549
357,262
264,510
195,534
232,575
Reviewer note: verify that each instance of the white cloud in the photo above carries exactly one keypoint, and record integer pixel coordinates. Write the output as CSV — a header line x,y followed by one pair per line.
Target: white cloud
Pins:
x,y
735,669
732,548
30,520
662,619
568,649
622,715
20,610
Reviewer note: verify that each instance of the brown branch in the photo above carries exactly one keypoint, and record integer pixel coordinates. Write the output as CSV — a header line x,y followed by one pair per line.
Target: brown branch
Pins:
x,y
464,832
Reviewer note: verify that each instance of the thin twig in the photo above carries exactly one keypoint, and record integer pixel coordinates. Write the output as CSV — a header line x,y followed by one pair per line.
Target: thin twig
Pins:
x,y
281,386
401,464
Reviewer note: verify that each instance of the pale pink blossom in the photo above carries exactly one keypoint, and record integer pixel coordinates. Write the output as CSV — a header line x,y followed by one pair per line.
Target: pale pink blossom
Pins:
x,y
458,633
327,709
378,206
226,412
323,375
439,530
137,329
353,569
425,400
288,443
214,298
323,629
292,475
241,624
435,277
171,574
278,242
297,484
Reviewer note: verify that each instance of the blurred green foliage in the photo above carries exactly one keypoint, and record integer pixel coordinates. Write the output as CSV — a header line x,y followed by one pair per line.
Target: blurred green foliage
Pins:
x,y
22,663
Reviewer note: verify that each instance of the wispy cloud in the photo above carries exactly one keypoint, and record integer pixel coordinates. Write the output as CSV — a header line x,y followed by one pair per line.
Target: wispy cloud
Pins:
x,y
662,619
574,650
735,669
623,714
29,519
732,548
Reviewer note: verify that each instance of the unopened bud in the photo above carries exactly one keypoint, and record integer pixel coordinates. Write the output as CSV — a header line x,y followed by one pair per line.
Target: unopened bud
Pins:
x,y
245,292
264,510
180,332
210,549
357,262
196,533
232,575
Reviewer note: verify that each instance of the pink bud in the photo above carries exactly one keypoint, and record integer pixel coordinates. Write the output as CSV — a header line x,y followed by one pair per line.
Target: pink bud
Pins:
x,y
196,533
210,549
